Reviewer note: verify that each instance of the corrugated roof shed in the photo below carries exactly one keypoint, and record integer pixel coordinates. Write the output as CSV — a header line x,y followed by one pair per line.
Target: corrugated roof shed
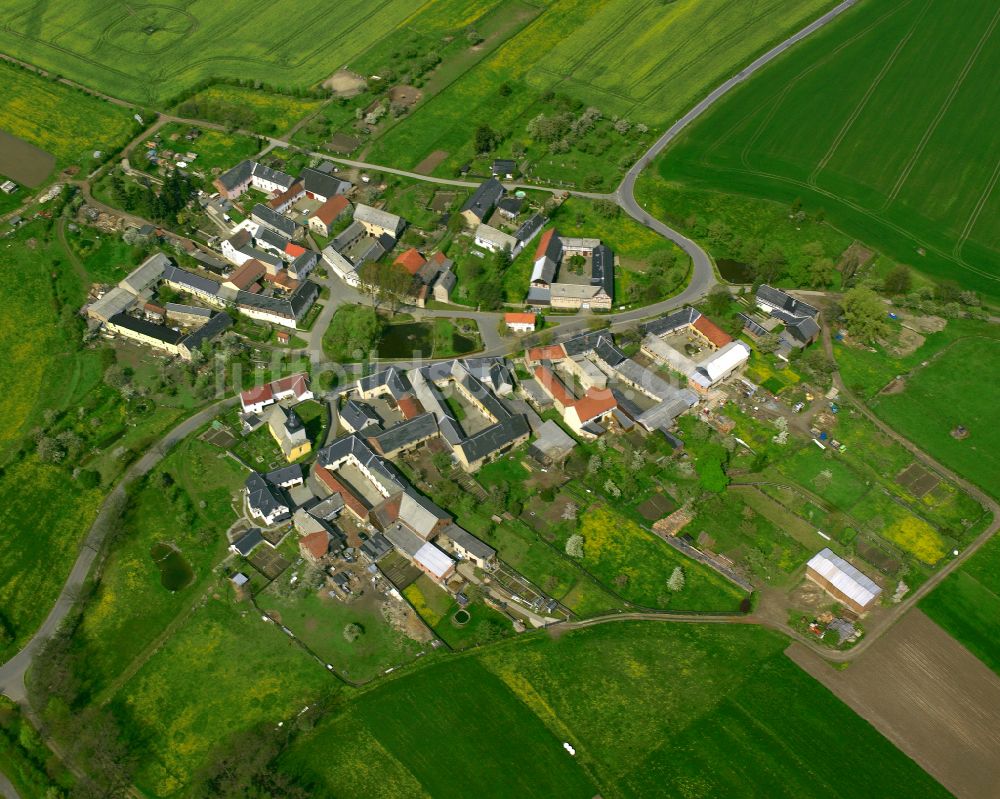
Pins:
x,y
847,579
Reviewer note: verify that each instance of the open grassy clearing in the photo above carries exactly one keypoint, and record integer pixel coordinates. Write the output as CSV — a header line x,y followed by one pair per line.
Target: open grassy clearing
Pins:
x,y
936,399
893,92
223,670
319,620
66,123
438,608
131,606
967,604
252,109
714,733
216,150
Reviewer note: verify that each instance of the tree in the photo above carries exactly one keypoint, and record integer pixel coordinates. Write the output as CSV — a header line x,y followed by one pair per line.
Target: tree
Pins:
x,y
821,272
574,546
352,632
607,209
768,342
676,581
485,139
865,314
718,300
898,280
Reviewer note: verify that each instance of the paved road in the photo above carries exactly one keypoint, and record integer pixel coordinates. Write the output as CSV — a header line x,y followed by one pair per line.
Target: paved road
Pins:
x,y
703,277
7,790
12,672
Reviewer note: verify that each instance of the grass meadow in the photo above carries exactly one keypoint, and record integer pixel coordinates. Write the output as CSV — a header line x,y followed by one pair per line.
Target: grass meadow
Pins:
x,y
899,149
130,607
967,604
64,122
149,54
221,671
949,392
651,709
647,62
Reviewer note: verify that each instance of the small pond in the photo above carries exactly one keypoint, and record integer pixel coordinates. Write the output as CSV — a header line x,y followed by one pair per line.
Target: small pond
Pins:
x,y
462,345
735,271
175,571
461,618
403,340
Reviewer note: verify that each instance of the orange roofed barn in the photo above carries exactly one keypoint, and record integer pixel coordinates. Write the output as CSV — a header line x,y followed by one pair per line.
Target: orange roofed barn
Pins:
x,y
411,260
711,332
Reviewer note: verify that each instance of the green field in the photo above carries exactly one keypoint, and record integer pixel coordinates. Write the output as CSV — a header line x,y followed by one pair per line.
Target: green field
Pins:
x,y
606,690
150,53
64,122
223,670
899,149
948,391
967,604
130,606
646,62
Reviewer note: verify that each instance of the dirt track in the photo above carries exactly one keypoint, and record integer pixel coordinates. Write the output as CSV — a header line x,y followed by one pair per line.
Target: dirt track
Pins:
x,y
928,695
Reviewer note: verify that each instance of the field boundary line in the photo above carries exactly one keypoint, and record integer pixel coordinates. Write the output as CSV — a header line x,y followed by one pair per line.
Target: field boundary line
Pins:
x,y
942,111
779,98
970,224
863,102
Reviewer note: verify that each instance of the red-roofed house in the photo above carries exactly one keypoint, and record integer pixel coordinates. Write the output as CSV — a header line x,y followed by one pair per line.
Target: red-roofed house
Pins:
x,y
315,546
543,243
411,260
520,322
324,216
352,501
282,280
293,250
254,400
409,406
554,387
246,275
281,202
593,406
553,352
711,332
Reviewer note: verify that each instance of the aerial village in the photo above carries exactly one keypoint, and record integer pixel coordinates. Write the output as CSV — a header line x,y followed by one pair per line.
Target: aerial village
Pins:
x,y
332,496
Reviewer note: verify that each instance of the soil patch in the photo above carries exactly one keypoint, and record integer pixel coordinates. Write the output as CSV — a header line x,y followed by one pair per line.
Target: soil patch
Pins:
x,y
908,343
923,324
345,83
405,95
442,199
897,386
917,480
928,695
342,143
855,256
24,163
429,164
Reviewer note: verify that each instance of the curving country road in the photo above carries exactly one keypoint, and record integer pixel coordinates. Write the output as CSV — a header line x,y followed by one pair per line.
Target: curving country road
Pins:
x,y
13,671
703,278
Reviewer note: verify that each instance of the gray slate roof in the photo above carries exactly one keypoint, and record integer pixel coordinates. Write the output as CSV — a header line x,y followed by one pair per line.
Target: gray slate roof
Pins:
x,y
671,322
321,183
785,302
160,332
247,543
405,433
484,198
208,331
279,222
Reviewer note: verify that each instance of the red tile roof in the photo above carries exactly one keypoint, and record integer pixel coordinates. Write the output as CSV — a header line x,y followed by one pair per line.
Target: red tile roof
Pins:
x,y
439,257
554,386
294,250
283,280
409,406
353,502
519,318
316,544
293,191
596,402
411,260
245,276
553,352
543,242
331,209
258,394
712,332
298,384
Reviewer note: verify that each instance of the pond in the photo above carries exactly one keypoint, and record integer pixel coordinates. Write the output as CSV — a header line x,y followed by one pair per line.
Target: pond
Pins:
x,y
461,345
175,571
405,340
735,271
